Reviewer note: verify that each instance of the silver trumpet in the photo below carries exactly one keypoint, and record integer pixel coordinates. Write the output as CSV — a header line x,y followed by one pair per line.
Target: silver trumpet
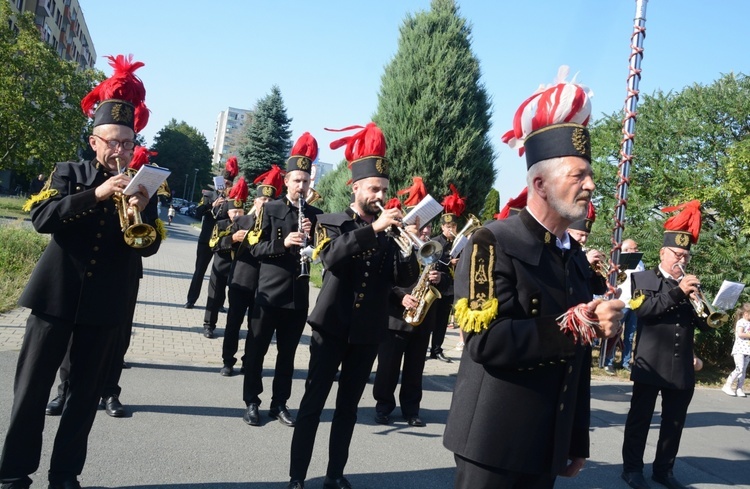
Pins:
x,y
428,252
703,309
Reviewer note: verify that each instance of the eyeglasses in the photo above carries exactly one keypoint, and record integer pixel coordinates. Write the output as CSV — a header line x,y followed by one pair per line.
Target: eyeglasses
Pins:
x,y
114,143
680,256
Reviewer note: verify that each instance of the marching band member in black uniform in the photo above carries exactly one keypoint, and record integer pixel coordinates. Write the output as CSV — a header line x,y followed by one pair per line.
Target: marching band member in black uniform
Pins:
x,y
243,274
232,207
454,206
351,315
663,351
405,342
81,291
111,390
580,231
520,410
283,295
212,208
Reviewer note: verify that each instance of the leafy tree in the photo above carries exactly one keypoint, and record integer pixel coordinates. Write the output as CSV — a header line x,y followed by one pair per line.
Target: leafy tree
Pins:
x,y
41,121
491,206
433,109
183,150
692,144
268,137
336,193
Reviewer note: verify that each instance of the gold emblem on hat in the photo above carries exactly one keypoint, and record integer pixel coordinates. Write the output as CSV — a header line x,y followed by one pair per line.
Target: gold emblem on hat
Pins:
x,y
121,113
447,218
580,140
381,165
681,239
267,191
237,203
303,163
587,224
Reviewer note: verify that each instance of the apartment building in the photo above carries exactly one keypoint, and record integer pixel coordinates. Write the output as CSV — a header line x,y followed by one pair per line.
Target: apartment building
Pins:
x,y
62,25
230,129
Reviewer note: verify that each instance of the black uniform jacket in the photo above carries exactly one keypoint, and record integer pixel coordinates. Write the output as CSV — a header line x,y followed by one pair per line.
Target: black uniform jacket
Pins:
x,y
360,268
278,285
87,269
396,308
444,265
224,248
209,215
666,323
244,271
521,400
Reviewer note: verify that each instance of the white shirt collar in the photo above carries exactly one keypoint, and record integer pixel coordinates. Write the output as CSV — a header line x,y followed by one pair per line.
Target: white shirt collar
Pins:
x,y
563,244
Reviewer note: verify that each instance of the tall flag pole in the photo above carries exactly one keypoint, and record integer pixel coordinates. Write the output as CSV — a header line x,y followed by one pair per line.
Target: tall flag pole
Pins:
x,y
626,149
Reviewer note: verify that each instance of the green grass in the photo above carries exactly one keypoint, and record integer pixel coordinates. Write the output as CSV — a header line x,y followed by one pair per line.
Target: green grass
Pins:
x,y
11,207
21,249
316,280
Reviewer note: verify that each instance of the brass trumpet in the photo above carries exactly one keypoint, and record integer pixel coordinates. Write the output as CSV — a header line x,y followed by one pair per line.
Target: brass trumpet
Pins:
x,y
136,233
603,269
703,309
428,252
462,238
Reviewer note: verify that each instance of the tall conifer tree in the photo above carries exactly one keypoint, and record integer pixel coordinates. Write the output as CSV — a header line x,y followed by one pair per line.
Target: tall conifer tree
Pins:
x,y
433,109
268,137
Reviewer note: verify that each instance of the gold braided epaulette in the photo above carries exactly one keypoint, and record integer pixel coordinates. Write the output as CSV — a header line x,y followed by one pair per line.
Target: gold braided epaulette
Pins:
x,y
161,229
475,320
320,247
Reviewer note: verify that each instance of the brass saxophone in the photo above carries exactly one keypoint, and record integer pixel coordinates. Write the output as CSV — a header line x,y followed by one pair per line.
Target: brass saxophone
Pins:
x,y
426,294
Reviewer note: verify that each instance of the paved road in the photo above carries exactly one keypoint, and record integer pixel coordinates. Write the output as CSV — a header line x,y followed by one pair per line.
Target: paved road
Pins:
x,y
184,429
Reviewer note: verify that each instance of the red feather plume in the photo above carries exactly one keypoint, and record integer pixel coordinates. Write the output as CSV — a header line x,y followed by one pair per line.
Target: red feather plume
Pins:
x,y
454,203
689,220
239,190
232,167
307,146
140,157
416,192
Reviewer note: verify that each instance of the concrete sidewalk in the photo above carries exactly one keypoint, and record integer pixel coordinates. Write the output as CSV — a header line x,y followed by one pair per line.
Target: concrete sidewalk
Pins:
x,y
184,428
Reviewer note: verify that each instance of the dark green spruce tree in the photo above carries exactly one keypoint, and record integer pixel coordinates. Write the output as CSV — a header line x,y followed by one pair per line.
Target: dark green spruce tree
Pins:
x,y
336,193
434,110
183,149
268,137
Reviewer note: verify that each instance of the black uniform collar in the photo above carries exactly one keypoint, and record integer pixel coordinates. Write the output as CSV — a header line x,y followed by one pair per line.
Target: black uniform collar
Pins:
x,y
541,233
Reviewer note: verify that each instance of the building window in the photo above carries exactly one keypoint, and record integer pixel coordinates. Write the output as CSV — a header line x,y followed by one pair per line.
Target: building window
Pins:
x,y
19,5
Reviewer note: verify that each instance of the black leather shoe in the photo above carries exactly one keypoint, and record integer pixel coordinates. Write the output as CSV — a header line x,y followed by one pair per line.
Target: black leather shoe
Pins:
x,y
635,480
415,421
340,483
382,418
251,416
189,305
296,485
223,309
282,414
113,407
208,332
67,484
441,356
226,371
669,481
55,406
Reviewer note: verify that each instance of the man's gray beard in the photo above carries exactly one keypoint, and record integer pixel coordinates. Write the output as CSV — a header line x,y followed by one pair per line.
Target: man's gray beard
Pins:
x,y
570,212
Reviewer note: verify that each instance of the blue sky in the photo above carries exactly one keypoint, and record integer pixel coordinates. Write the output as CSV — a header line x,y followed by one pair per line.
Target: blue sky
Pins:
x,y
327,56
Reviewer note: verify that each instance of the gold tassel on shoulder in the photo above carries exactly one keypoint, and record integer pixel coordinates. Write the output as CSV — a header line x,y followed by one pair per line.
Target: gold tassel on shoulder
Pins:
x,y
319,248
475,320
161,229
637,300
44,194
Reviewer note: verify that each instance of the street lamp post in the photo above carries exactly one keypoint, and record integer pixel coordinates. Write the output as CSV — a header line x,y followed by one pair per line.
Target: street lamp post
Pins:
x,y
192,194
184,190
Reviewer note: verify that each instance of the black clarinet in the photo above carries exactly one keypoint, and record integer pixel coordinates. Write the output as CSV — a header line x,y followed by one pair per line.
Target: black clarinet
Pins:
x,y
304,261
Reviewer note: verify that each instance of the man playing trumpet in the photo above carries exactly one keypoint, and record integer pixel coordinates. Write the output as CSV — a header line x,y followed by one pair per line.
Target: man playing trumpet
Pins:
x,y
663,350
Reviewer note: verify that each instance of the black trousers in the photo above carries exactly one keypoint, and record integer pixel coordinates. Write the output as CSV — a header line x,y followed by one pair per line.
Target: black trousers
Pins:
x,y
240,304
409,347
217,292
327,352
288,325
44,345
442,314
674,406
203,255
473,475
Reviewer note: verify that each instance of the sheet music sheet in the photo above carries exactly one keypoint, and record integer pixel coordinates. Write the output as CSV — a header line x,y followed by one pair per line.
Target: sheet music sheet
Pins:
x,y
150,177
426,210
219,183
728,294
